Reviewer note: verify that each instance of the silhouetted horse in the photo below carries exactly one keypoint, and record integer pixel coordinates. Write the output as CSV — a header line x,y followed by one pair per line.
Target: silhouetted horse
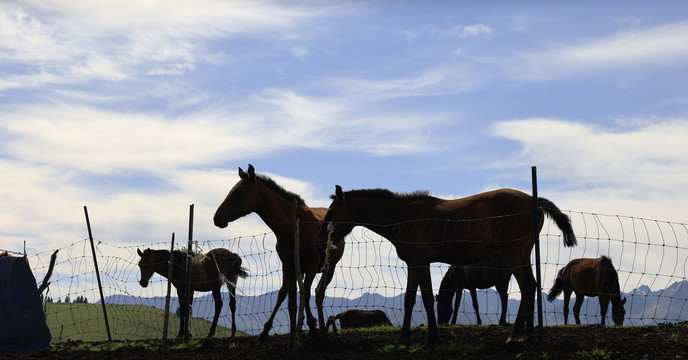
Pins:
x,y
483,275
275,205
425,229
209,272
590,277
358,318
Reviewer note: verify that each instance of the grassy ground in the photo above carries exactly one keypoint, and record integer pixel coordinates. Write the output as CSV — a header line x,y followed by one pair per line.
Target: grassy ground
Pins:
x,y
85,322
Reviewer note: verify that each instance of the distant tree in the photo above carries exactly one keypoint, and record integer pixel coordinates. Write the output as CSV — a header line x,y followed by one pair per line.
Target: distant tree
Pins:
x,y
67,299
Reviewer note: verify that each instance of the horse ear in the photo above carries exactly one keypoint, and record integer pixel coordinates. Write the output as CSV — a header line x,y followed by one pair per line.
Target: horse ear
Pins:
x,y
623,301
251,172
242,174
139,252
338,192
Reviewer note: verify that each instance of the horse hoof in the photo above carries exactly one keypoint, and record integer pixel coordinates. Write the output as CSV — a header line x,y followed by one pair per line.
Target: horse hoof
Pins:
x,y
262,337
517,339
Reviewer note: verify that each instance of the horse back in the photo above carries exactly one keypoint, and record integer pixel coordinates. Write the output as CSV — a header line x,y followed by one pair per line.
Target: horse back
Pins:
x,y
592,277
470,229
206,268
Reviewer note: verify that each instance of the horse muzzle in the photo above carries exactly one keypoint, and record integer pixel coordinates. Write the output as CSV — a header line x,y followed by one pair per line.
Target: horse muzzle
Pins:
x,y
220,222
143,283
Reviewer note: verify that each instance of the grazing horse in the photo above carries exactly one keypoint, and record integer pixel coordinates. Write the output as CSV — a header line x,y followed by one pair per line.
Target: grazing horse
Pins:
x,y
426,229
275,205
358,318
590,277
486,274
209,272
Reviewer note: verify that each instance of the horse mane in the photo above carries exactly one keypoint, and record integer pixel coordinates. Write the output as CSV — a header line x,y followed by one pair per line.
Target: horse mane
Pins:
x,y
609,270
606,262
279,190
385,194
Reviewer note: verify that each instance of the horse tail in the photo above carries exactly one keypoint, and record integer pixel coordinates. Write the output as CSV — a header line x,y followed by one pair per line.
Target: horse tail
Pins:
x,y
238,269
558,286
562,220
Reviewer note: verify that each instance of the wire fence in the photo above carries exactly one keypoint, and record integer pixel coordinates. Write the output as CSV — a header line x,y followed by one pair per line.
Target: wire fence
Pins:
x,y
651,258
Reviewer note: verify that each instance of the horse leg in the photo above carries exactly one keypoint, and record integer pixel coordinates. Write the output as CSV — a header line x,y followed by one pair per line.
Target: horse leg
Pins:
x,y
577,306
523,326
502,288
281,295
218,307
409,302
425,281
312,323
320,298
604,305
232,306
474,298
457,303
289,278
567,299
184,313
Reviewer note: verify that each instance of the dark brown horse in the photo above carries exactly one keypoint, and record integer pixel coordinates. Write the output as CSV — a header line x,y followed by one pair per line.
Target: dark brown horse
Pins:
x,y
426,229
590,277
275,205
483,275
209,272
355,318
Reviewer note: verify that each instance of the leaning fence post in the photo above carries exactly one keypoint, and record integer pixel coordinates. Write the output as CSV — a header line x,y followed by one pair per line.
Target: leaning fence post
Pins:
x,y
165,324
299,278
536,239
100,285
188,275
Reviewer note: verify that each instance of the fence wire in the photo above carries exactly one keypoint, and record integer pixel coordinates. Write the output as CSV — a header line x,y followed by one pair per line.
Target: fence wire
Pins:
x,y
651,258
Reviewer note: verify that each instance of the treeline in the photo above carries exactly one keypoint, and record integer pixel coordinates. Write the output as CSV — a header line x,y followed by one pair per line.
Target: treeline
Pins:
x,y
79,300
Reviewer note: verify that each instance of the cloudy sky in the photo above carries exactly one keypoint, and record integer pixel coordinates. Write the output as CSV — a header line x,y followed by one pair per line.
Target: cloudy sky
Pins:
x,y
138,109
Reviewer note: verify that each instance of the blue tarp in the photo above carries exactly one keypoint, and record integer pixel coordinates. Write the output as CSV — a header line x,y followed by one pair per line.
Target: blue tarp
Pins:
x,y
22,322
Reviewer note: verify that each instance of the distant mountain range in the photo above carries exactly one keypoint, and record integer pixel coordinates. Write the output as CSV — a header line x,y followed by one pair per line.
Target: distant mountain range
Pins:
x,y
643,307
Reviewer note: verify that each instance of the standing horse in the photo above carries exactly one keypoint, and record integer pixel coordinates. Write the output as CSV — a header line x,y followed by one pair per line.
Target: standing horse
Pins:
x,y
486,274
275,205
426,229
208,273
590,277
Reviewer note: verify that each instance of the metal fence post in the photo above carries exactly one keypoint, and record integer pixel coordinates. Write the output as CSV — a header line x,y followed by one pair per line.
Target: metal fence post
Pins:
x,y
100,285
536,238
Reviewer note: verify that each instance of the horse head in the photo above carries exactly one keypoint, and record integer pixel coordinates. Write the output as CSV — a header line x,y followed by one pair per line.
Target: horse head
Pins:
x,y
146,265
339,219
619,312
241,200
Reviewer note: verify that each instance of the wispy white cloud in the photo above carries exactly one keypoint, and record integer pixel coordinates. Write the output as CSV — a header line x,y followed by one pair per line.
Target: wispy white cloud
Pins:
x,y
461,32
299,51
132,38
440,79
636,161
659,46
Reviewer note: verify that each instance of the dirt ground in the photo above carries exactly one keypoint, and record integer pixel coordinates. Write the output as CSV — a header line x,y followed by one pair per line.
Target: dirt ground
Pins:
x,y
466,342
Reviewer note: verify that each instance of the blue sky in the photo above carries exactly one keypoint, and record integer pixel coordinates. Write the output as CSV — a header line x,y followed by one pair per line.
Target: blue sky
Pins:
x,y
139,108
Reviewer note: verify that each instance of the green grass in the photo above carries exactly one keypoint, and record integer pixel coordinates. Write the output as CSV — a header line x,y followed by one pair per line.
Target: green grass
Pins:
x,y
86,322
